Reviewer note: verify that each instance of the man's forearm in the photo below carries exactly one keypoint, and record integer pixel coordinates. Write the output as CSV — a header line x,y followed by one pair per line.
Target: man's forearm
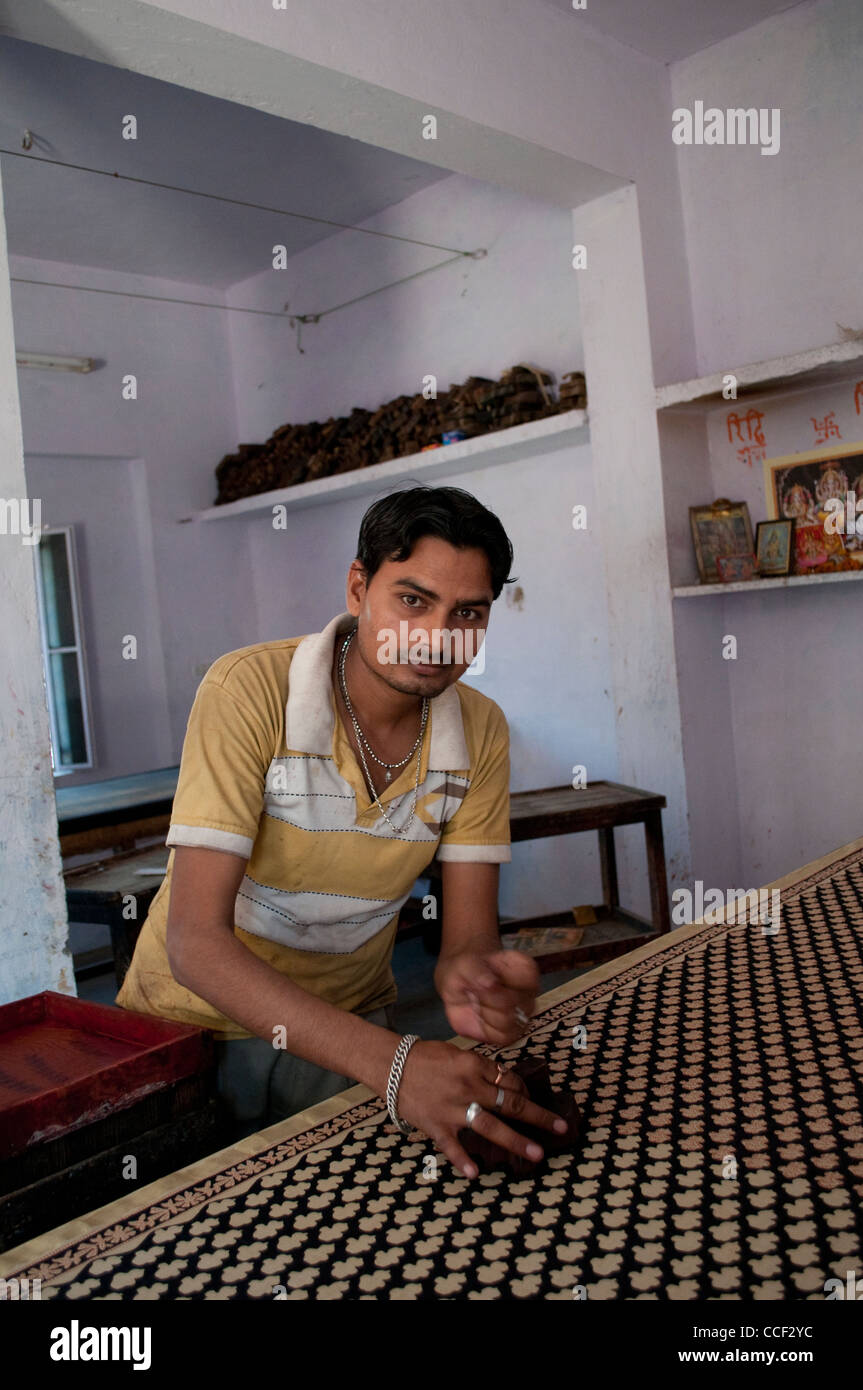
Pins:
x,y
469,909
260,999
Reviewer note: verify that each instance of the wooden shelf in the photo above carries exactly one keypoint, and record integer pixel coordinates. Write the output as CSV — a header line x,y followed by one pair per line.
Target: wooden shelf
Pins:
x,y
616,932
755,586
483,451
802,371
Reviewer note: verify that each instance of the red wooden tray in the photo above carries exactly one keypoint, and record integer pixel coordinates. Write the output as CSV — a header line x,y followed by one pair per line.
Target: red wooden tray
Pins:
x,y
65,1063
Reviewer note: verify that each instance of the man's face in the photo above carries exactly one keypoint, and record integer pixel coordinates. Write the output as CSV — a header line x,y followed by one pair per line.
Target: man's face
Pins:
x,y
422,620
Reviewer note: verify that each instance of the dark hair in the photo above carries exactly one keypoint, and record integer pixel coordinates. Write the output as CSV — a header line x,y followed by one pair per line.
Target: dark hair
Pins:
x,y
392,526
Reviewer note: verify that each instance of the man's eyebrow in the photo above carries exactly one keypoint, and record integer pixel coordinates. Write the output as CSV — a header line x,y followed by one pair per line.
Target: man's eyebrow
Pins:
x,y
429,593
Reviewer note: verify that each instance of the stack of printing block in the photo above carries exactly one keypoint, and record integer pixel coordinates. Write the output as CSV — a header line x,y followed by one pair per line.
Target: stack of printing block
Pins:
x,y
245,473
461,408
521,394
300,453
573,392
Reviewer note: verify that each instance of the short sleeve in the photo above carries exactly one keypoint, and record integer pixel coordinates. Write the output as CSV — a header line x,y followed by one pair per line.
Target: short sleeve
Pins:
x,y
478,832
223,769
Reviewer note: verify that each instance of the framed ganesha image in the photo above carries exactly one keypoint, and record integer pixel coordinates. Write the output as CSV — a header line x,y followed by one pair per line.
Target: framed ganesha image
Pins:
x,y
799,488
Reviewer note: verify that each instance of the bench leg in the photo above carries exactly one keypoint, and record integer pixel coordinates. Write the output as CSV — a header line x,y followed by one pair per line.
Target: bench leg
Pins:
x,y
659,908
608,864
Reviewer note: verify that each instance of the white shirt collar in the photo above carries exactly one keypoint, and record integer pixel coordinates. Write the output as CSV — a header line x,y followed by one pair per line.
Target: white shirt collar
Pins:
x,y
309,717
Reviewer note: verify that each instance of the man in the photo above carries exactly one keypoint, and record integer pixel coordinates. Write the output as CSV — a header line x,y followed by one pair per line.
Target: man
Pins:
x,y
319,777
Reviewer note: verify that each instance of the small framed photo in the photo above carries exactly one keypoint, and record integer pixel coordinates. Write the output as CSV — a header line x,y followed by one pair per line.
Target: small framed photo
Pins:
x,y
722,528
817,550
774,547
734,568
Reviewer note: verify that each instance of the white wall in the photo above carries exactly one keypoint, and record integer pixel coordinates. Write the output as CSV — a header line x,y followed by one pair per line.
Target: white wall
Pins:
x,y
33,944
473,318
539,76
125,471
476,317
772,241
772,247
795,686
547,648
551,109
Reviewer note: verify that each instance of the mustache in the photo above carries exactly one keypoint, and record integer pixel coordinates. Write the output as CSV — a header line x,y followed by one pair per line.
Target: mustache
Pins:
x,y
430,661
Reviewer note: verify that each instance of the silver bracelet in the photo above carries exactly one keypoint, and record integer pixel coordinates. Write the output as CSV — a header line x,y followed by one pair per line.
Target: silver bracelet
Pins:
x,y
395,1077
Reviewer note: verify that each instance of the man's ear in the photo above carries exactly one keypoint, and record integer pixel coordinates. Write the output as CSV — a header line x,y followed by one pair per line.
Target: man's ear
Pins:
x,y
356,584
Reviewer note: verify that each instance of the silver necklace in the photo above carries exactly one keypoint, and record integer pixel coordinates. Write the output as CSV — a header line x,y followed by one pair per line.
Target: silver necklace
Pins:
x,y
362,743
361,738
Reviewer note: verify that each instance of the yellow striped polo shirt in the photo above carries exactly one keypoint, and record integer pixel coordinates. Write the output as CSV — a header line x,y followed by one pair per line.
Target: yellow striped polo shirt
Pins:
x,y
267,772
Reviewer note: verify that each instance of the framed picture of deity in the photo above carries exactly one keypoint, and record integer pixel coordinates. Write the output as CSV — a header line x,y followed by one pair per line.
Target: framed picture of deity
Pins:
x,y
774,547
819,491
721,529
733,569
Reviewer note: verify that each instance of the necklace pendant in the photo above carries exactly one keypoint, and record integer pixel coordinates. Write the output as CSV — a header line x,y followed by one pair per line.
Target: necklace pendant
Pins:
x,y
388,774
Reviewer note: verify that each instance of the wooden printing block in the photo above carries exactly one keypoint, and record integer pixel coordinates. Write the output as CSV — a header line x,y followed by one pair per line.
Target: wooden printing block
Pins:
x,y
494,393
474,382
522,372
317,466
517,417
487,1156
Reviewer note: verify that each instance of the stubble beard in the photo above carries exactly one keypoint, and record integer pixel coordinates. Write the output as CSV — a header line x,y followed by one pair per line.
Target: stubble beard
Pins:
x,y
396,675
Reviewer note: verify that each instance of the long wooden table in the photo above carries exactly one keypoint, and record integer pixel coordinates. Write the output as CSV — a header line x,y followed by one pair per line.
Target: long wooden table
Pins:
x,y
114,813
101,892
720,1083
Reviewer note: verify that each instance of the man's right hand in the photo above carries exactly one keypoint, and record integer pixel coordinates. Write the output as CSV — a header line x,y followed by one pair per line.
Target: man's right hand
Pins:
x,y
438,1084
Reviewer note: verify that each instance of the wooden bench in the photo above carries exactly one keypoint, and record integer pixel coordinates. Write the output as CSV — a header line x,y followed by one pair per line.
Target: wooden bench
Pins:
x,y
600,806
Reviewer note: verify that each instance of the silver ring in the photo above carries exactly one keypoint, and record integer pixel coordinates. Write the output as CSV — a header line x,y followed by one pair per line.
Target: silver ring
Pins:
x,y
471,1113
521,1016
499,1098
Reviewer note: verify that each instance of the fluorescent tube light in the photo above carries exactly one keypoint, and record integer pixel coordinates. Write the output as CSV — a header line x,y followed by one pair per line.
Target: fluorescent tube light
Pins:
x,y
53,363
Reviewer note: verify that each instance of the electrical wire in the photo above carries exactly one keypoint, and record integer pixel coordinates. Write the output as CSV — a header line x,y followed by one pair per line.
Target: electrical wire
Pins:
x,y
293,319
237,202
239,308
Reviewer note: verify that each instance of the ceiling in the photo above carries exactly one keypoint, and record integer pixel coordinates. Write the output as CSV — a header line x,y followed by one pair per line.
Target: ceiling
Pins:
x,y
670,29
74,108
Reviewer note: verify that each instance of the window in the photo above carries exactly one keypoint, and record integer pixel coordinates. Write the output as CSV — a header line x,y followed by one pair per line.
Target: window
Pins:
x,y
62,651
